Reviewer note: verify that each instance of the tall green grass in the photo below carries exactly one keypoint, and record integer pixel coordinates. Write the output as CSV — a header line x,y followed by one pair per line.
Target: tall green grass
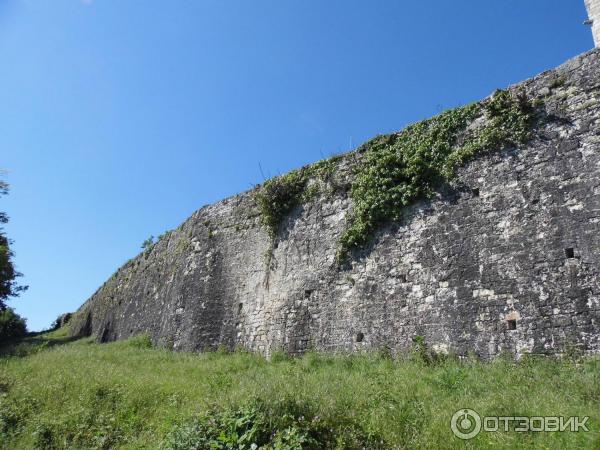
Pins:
x,y
60,394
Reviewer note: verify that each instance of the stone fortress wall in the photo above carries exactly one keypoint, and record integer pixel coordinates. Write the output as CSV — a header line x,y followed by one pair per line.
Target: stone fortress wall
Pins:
x,y
510,262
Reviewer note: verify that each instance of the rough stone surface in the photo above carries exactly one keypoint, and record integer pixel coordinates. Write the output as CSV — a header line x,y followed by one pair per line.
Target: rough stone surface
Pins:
x,y
593,9
514,244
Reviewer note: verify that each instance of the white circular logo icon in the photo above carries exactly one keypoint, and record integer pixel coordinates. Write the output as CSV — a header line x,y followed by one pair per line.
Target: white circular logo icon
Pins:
x,y
465,424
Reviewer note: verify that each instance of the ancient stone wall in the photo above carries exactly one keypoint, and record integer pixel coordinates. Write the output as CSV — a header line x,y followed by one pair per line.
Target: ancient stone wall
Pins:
x,y
505,259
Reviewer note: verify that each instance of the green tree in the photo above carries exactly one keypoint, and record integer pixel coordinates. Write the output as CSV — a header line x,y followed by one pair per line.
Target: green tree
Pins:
x,y
11,325
148,243
8,275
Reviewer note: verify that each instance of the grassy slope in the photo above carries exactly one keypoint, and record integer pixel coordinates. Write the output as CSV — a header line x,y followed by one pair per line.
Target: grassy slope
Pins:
x,y
127,395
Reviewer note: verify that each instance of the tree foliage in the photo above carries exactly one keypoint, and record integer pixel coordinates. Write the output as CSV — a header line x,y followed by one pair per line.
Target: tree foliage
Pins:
x,y
8,274
148,243
11,325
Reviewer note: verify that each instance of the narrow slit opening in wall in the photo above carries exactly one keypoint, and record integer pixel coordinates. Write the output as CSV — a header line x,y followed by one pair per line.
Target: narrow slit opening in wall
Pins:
x,y
569,253
511,324
240,307
359,337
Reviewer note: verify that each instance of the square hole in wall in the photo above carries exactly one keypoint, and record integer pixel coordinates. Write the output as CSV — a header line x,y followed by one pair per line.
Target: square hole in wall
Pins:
x,y
359,337
475,192
569,253
511,324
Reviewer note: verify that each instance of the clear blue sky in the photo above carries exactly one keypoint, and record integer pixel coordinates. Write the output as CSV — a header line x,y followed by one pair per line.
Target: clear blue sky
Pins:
x,y
119,118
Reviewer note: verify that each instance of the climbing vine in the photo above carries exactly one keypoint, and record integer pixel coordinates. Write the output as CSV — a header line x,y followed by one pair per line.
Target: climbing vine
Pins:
x,y
396,170
399,169
278,196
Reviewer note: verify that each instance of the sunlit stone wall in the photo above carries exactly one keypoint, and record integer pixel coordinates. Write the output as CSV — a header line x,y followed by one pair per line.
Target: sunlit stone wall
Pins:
x,y
593,8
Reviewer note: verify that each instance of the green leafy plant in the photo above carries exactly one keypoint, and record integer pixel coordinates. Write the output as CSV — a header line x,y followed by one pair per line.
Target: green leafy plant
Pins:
x,y
399,169
148,243
558,82
396,170
277,197
285,426
140,341
11,325
220,430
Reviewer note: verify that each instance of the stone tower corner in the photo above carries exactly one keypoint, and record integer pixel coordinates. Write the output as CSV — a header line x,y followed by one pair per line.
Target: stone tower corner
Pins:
x,y
593,9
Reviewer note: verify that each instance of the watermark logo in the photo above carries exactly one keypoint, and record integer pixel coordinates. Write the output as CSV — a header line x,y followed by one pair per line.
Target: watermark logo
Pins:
x,y
467,423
